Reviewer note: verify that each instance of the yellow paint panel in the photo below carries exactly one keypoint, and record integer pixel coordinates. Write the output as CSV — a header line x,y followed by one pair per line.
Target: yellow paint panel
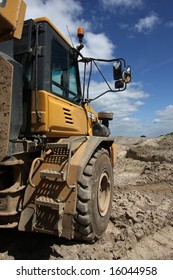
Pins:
x,y
66,117
58,116
92,117
12,19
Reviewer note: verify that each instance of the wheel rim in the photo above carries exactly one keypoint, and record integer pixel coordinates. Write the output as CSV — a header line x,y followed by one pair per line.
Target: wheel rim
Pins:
x,y
103,194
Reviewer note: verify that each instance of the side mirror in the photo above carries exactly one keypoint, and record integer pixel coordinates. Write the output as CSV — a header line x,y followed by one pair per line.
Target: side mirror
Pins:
x,y
126,75
121,74
120,85
117,70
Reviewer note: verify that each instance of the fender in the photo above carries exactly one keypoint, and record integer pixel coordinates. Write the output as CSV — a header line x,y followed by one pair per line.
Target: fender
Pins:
x,y
85,152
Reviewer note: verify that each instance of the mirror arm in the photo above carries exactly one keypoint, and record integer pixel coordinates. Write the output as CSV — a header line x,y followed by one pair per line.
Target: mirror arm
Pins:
x,y
110,90
86,60
89,80
110,60
92,99
102,75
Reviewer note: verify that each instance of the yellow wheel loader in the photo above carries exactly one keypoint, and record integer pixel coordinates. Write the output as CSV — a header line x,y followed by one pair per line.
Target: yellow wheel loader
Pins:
x,y
56,153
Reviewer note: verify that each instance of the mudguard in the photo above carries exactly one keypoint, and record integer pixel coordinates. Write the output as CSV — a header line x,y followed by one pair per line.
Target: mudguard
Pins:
x,y
85,152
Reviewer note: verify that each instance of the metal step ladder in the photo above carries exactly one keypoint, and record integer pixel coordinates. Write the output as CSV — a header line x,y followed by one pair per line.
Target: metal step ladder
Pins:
x,y
54,161
48,215
50,173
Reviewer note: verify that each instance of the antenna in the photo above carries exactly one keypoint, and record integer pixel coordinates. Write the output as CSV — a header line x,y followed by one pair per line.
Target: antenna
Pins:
x,y
70,36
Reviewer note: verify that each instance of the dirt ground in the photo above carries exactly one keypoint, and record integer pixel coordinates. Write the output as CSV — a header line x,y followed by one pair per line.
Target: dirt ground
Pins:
x,y
141,224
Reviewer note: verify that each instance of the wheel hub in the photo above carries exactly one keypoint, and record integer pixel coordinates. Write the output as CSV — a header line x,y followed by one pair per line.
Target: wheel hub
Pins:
x,y
103,194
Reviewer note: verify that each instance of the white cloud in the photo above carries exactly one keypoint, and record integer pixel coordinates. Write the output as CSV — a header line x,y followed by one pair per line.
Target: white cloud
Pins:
x,y
62,13
98,46
123,25
125,105
156,121
122,104
147,23
169,24
70,13
166,115
139,103
129,126
123,3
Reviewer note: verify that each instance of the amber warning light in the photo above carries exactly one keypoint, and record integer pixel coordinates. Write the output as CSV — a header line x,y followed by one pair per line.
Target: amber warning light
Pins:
x,y
80,34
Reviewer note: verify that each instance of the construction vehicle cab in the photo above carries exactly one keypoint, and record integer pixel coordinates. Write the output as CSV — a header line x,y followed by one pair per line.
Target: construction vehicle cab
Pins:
x,y
56,153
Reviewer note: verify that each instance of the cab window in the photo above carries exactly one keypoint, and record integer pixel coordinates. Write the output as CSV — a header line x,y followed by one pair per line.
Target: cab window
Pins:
x,y
65,81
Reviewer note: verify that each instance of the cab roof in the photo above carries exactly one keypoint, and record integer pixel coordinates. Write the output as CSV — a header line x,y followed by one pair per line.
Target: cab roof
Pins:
x,y
45,19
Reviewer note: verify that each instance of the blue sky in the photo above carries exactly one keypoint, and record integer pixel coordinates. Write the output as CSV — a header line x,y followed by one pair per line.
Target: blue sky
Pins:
x,y
141,31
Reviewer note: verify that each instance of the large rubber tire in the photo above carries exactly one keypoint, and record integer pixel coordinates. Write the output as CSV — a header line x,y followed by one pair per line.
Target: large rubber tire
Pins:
x,y
94,201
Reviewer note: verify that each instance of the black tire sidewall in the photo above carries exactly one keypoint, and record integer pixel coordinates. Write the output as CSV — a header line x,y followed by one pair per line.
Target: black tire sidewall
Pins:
x,y
99,223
